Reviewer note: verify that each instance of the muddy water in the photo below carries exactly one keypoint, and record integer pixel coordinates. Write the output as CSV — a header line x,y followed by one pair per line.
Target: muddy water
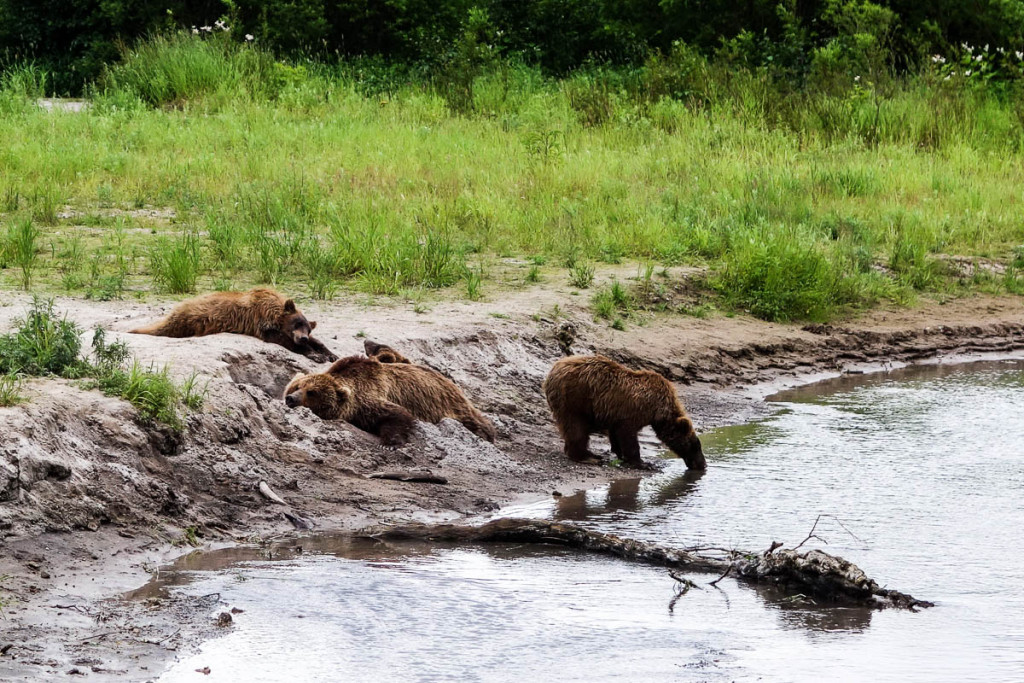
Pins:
x,y
917,475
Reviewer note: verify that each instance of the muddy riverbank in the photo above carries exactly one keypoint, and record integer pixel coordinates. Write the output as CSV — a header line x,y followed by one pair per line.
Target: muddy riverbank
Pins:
x,y
92,502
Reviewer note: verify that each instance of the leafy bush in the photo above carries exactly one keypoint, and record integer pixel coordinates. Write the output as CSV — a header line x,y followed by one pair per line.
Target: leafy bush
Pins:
x,y
42,344
780,276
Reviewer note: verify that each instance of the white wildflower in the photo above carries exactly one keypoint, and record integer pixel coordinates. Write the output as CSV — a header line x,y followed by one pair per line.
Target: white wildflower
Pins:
x,y
249,37
978,58
968,72
195,31
208,29
938,59
1020,55
856,79
986,47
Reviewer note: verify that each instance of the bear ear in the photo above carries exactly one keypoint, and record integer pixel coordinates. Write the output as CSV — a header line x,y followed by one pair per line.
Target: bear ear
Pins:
x,y
312,325
344,394
289,306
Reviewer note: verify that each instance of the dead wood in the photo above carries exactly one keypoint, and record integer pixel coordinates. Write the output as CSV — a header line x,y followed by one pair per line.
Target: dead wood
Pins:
x,y
422,477
269,494
813,572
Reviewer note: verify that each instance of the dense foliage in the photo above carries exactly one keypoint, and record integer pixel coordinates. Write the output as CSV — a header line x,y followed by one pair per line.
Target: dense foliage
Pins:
x,y
73,39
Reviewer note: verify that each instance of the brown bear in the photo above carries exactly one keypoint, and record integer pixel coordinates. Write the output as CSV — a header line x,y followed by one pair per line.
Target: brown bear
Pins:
x,y
260,313
589,394
373,386
332,399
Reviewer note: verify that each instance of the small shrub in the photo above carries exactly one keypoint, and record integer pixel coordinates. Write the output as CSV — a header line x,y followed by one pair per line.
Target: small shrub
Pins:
x,y
581,275
533,275
42,344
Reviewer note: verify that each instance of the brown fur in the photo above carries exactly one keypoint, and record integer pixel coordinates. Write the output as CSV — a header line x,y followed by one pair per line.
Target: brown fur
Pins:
x,y
260,313
330,399
384,353
589,394
425,393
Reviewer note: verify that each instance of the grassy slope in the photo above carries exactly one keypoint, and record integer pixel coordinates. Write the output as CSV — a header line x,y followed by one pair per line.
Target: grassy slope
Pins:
x,y
393,193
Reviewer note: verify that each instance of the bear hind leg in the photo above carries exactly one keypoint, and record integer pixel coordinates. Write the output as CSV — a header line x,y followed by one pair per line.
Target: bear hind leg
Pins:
x,y
577,443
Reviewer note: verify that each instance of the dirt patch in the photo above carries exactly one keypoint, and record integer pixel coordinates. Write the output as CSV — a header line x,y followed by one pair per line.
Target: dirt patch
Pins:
x,y
91,499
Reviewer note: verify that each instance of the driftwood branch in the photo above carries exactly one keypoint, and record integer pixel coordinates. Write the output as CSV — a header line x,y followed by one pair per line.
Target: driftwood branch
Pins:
x,y
814,572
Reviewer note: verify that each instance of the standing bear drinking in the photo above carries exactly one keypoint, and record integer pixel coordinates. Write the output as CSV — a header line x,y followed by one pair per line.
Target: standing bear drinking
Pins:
x,y
594,394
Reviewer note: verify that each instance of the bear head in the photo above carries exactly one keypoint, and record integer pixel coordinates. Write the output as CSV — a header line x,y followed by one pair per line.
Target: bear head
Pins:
x,y
383,352
328,398
678,434
294,324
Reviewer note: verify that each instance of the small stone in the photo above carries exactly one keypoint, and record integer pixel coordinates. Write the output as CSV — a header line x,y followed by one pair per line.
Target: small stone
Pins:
x,y
237,610
44,574
224,619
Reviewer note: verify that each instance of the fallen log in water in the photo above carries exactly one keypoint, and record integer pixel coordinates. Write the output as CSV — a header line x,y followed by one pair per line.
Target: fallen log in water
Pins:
x,y
812,572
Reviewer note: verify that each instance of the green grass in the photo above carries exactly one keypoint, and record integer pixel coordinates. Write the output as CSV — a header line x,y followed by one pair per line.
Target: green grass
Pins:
x,y
801,206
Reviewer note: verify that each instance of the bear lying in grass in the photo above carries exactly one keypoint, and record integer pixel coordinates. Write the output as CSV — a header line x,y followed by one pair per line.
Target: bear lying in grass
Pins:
x,y
384,398
590,394
260,313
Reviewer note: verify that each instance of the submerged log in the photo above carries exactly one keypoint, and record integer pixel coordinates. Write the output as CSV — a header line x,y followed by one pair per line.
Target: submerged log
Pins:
x,y
813,572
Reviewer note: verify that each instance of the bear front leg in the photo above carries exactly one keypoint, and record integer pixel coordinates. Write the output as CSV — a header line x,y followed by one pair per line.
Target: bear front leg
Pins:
x,y
317,352
313,349
628,446
393,424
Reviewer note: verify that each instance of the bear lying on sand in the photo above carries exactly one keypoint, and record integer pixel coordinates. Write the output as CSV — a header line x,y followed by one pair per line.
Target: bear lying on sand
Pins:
x,y
376,397
260,313
333,399
589,394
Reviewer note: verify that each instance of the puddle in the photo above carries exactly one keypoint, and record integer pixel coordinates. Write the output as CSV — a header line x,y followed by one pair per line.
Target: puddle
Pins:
x,y
917,476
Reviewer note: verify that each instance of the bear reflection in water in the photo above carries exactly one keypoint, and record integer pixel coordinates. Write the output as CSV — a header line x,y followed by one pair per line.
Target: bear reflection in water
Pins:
x,y
624,495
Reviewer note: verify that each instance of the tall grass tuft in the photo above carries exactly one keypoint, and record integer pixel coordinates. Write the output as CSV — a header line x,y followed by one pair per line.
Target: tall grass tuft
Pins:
x,y
10,389
175,265
21,248
180,67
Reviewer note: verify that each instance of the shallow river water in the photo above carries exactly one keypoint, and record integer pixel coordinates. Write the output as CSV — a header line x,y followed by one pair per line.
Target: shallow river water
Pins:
x,y
917,475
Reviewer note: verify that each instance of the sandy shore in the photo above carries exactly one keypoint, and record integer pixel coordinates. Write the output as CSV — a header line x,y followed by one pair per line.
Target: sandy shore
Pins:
x,y
92,502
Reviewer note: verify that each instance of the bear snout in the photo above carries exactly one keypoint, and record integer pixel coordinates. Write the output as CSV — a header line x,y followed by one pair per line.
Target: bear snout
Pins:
x,y
293,400
300,337
694,455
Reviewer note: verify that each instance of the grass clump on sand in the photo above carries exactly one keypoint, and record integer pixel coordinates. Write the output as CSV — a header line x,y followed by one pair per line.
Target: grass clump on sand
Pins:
x,y
45,343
